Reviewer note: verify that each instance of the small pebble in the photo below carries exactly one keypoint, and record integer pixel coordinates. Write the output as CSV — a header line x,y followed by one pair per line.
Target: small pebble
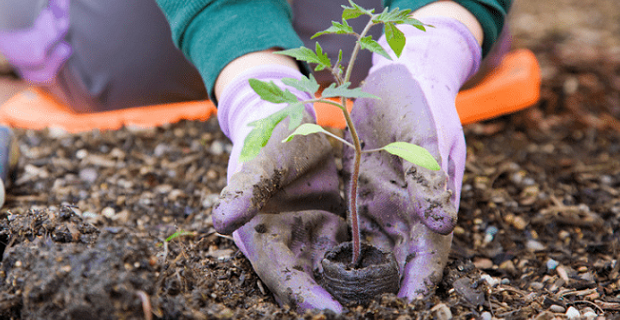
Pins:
x,y
534,245
490,233
552,264
486,315
508,266
589,315
557,308
536,285
81,154
572,313
492,282
161,149
505,281
519,223
217,148
442,312
606,180
88,174
108,212
483,263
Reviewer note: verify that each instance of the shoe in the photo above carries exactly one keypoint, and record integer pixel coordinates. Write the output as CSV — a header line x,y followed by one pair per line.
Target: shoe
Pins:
x,y
9,154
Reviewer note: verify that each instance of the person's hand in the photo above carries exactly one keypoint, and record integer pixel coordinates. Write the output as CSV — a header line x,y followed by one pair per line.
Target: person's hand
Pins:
x,y
404,208
283,205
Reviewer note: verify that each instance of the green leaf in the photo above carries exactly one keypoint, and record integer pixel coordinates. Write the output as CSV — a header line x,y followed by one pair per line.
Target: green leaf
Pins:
x,y
269,91
416,23
336,28
305,54
305,84
372,45
395,38
263,129
355,11
304,130
180,233
344,91
296,113
413,153
324,61
260,134
395,16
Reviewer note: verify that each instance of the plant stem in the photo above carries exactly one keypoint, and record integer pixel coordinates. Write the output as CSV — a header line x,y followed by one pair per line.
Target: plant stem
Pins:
x,y
355,226
356,50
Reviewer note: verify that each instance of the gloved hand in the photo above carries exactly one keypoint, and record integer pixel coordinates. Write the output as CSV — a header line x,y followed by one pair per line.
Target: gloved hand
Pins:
x,y
280,193
405,208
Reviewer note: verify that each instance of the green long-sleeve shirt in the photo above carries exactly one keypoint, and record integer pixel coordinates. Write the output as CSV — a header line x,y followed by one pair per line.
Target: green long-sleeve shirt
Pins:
x,y
212,33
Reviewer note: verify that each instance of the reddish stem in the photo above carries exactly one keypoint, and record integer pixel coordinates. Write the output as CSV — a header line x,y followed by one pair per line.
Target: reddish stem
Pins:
x,y
355,227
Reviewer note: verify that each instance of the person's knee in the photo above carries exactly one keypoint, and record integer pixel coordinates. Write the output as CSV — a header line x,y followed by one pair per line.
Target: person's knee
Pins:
x,y
19,14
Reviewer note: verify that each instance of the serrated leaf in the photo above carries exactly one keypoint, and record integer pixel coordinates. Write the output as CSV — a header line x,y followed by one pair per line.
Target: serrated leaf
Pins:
x,y
395,38
305,54
344,91
369,44
269,91
324,61
396,16
296,113
414,154
336,28
355,11
304,130
416,23
259,135
305,84
263,129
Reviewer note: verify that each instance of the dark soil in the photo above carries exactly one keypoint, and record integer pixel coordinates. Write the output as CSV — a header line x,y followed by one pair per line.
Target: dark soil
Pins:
x,y
85,227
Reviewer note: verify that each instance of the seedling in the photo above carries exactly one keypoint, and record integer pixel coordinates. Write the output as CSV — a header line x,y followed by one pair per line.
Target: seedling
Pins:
x,y
269,91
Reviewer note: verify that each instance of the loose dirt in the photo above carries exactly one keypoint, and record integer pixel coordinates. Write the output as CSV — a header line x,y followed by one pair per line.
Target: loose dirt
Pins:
x,y
85,230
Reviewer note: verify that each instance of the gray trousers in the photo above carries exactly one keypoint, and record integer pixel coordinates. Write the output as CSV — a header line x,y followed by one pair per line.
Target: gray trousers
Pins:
x,y
123,55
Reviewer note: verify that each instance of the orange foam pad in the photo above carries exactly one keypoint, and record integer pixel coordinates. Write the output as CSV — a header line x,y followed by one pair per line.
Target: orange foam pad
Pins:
x,y
513,86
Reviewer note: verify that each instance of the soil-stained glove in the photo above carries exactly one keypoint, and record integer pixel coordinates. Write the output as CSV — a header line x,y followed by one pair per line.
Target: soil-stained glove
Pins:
x,y
405,208
292,176
286,252
284,248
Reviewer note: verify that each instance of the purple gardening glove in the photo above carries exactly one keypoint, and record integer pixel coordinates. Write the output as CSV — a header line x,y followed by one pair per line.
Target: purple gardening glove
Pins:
x,y
295,180
39,52
405,208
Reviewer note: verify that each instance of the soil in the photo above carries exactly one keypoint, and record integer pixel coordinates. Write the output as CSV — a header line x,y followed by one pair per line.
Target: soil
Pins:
x,y
85,230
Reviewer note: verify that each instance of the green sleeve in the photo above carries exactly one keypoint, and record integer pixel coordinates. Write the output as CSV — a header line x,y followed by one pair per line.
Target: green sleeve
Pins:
x,y
212,33
490,13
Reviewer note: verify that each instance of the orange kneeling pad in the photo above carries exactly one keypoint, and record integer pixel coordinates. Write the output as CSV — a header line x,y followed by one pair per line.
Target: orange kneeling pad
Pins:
x,y
513,86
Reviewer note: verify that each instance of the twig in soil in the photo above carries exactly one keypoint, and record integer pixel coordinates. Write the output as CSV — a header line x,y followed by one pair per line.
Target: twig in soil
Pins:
x,y
590,303
573,292
571,215
225,236
146,304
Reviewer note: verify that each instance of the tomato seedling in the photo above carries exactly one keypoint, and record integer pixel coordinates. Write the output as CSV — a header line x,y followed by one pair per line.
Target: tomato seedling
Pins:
x,y
269,91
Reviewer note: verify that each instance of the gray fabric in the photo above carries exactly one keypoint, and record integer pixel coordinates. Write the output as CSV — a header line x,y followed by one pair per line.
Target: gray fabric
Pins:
x,y
122,57
19,14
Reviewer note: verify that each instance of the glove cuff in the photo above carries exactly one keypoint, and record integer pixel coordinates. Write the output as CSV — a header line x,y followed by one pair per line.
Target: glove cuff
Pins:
x,y
447,52
240,105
